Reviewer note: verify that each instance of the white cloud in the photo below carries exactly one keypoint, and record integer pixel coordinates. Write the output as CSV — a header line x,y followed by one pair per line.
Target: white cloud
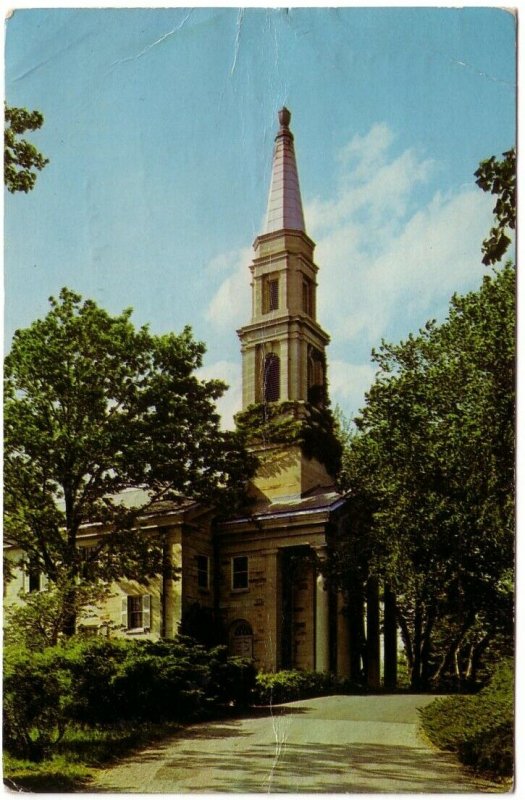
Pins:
x,y
387,263
230,306
348,384
368,149
373,192
231,401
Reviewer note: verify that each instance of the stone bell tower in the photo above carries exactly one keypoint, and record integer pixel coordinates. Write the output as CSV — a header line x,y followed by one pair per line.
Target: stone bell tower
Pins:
x,y
283,346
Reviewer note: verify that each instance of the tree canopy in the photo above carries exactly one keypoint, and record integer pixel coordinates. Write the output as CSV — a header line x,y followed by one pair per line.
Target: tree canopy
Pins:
x,y
21,157
433,461
499,178
94,407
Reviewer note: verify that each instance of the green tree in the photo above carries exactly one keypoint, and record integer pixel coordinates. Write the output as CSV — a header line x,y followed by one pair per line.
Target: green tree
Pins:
x,y
21,157
499,178
94,407
433,465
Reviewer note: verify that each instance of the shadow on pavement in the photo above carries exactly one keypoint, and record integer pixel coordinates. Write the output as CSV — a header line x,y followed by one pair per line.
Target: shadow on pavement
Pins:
x,y
310,767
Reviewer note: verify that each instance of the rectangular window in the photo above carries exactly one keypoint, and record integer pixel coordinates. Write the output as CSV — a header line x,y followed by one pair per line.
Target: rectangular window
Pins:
x,y
34,579
240,572
136,612
88,557
203,572
270,295
307,297
273,294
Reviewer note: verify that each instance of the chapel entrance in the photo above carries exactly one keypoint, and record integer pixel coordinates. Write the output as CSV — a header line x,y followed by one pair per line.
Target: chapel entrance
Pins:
x,y
298,609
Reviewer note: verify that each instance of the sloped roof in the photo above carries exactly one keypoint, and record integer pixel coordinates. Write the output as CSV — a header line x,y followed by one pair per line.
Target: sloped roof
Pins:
x,y
322,499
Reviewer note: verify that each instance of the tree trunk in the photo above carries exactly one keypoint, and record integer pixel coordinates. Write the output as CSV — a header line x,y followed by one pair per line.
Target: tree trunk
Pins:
x,y
448,657
426,640
415,672
405,636
390,639
477,654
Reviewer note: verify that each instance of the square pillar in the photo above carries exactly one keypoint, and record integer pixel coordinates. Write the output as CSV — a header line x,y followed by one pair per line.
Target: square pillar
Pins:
x,y
322,622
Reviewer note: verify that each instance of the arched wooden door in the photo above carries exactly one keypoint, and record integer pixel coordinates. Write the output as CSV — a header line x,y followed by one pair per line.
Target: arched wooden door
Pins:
x,y
241,639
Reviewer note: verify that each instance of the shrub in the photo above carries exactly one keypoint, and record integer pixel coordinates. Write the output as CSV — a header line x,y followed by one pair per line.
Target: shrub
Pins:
x,y
478,728
94,663
150,686
36,701
233,679
288,685
118,680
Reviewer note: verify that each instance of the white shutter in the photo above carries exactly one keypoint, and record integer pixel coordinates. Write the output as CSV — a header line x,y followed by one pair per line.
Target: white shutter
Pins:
x,y
124,614
146,611
44,581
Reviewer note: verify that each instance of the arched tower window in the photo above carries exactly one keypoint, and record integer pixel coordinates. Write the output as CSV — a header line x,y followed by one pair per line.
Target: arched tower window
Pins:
x,y
272,378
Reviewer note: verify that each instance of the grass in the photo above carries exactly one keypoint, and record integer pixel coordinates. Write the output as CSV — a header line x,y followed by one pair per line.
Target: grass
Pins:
x,y
77,755
55,775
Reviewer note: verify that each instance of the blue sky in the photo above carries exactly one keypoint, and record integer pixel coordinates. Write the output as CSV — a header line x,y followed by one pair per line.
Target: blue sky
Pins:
x,y
159,127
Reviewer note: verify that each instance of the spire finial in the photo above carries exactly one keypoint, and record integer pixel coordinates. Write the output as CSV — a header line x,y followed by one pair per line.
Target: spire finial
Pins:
x,y
284,117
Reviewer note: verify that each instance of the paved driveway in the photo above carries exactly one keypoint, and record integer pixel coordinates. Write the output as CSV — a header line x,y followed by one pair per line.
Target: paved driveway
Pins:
x,y
329,744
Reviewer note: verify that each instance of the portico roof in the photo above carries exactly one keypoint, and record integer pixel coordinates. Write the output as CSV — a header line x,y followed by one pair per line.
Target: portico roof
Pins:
x,y
320,500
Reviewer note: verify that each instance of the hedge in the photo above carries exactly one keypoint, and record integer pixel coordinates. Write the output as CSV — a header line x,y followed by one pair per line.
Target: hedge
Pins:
x,y
288,685
100,682
478,728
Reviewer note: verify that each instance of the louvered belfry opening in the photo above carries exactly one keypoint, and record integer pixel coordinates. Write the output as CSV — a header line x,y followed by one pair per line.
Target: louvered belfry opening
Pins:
x,y
272,378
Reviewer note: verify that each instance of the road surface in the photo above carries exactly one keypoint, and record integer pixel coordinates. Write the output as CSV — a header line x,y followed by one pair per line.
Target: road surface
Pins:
x,y
327,744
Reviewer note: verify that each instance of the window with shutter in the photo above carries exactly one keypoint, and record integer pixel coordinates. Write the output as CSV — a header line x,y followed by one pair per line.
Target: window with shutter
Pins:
x,y
146,611
136,612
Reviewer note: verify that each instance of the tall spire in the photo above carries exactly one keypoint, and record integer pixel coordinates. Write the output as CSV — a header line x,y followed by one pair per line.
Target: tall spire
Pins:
x,y
283,346
285,209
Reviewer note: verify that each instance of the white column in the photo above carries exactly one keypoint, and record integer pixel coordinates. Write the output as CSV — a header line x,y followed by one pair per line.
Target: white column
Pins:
x,y
273,632
322,627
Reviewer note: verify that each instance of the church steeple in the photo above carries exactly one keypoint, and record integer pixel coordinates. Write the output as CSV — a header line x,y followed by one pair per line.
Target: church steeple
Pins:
x,y
285,209
283,346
